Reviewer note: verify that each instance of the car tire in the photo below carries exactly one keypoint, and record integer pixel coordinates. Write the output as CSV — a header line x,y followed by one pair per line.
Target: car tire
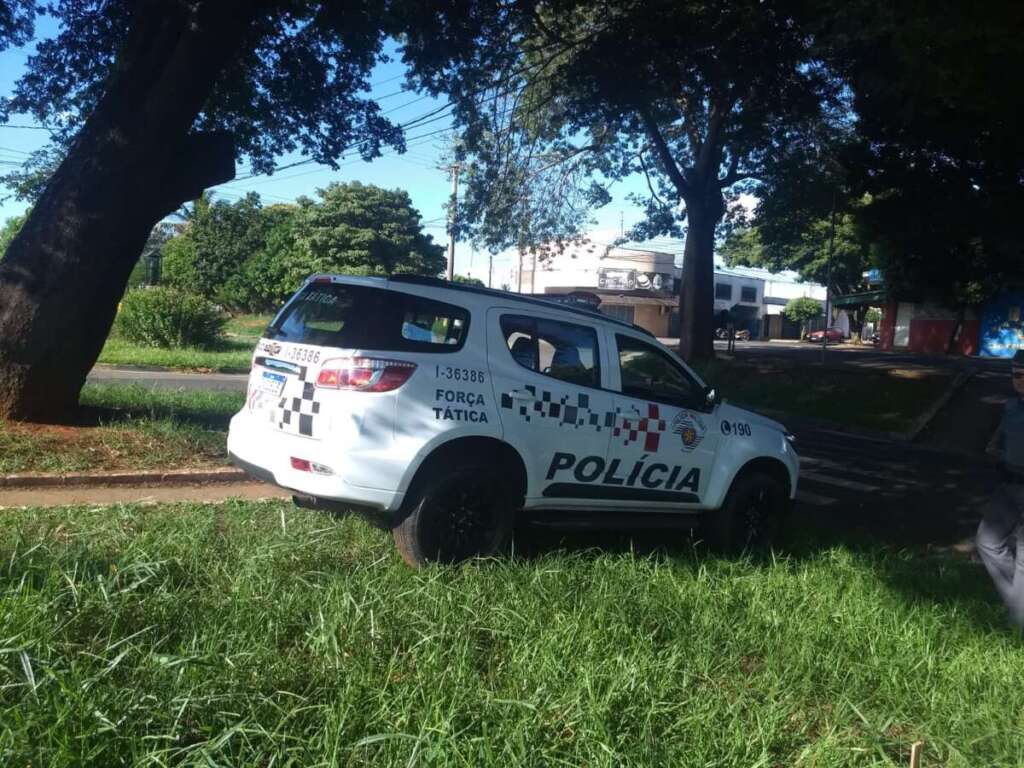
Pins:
x,y
751,518
457,516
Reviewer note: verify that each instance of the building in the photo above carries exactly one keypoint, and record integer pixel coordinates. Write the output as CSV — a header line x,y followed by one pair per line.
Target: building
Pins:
x,y
642,287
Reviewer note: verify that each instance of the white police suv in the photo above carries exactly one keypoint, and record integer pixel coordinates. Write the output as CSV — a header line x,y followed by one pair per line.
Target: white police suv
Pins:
x,y
442,410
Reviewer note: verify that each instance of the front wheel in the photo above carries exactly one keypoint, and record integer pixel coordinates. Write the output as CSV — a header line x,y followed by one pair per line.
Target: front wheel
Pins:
x,y
463,514
751,517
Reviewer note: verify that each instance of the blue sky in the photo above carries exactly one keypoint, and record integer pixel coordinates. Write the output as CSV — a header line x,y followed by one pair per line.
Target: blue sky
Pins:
x,y
416,171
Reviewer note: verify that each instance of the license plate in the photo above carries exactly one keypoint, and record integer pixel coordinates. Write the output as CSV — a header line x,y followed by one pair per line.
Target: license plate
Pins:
x,y
272,383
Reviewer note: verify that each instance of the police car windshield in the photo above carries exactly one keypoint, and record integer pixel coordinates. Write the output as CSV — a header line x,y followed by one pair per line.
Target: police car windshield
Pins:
x,y
360,317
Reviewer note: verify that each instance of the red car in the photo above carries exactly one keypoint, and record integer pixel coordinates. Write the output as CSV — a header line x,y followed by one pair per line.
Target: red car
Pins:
x,y
834,335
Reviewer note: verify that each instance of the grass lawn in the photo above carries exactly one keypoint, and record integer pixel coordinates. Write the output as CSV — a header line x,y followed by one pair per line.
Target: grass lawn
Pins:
x,y
125,427
233,354
259,634
872,399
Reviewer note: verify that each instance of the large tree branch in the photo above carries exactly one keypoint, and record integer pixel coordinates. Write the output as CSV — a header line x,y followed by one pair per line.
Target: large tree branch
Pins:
x,y
203,160
734,174
664,153
647,176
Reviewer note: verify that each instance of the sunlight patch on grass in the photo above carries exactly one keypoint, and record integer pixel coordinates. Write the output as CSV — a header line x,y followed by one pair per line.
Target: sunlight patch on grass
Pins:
x,y
262,634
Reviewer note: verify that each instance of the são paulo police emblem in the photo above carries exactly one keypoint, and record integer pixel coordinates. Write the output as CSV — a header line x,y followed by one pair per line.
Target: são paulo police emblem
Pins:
x,y
690,427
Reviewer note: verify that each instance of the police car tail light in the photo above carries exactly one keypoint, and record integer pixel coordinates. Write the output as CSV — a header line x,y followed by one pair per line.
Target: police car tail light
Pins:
x,y
365,374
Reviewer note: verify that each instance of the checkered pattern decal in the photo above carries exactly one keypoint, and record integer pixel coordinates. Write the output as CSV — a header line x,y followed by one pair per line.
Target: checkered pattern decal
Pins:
x,y
632,428
295,415
577,414
650,427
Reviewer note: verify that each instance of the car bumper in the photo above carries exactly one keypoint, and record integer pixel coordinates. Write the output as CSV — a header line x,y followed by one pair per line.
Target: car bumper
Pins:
x,y
267,454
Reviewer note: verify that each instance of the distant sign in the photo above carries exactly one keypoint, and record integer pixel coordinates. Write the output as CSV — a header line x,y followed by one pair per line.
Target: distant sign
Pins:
x,y
1002,331
873,276
632,279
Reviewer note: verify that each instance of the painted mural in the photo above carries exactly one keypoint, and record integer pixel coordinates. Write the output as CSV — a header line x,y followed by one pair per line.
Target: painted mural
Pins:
x,y
1002,329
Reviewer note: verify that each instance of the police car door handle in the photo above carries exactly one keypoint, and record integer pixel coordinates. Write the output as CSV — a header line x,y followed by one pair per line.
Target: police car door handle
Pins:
x,y
517,394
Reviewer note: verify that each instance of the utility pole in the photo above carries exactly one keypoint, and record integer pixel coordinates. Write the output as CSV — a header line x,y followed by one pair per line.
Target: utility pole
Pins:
x,y
452,215
828,278
490,269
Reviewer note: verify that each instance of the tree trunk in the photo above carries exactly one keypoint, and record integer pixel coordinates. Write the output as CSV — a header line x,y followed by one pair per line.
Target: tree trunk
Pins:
x,y
697,290
133,162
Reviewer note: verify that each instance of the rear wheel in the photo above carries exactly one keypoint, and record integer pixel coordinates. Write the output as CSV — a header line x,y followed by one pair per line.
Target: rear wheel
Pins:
x,y
751,517
463,514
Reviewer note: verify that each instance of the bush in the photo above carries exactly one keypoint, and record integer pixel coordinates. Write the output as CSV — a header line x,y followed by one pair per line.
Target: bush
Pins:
x,y
167,317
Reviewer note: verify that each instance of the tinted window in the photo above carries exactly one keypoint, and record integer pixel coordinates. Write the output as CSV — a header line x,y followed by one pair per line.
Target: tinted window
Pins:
x,y
355,316
723,291
748,293
648,373
564,351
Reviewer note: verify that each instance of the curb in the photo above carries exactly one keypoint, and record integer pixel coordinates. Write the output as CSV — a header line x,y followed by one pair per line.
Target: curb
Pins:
x,y
925,418
105,479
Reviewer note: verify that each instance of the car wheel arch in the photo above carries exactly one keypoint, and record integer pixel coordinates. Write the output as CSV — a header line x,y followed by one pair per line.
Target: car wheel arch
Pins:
x,y
478,449
768,465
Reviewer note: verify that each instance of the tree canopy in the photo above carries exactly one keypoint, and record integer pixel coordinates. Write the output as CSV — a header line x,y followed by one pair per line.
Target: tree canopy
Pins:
x,y
246,256
570,96
149,102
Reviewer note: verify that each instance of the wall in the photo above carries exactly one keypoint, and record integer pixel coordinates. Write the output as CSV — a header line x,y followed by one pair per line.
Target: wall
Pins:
x,y
887,328
652,319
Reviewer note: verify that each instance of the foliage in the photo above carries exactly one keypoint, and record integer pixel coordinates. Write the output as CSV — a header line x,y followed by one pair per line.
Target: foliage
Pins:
x,y
247,257
936,157
298,81
364,230
167,317
9,229
697,96
27,182
17,22
225,236
800,309
470,281
178,261
873,316
767,245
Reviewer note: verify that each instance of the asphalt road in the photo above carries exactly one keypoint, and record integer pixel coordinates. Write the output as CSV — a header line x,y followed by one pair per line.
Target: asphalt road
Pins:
x,y
160,379
853,354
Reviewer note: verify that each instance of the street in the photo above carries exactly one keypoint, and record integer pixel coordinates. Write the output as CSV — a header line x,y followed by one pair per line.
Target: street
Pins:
x,y
888,491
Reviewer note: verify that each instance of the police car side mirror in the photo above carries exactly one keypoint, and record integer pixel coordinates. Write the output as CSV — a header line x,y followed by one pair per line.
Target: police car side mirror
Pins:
x,y
710,397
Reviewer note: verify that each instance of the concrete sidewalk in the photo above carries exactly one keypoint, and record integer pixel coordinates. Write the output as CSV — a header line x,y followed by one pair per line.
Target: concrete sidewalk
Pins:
x,y
63,497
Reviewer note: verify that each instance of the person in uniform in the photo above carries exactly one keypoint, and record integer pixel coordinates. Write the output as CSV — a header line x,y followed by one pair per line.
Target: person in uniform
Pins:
x,y
999,535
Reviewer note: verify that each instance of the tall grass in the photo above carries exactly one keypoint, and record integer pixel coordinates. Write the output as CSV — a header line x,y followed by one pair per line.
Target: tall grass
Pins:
x,y
258,634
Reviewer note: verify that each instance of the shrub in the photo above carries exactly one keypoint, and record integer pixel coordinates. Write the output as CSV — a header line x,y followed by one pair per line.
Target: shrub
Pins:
x,y
167,317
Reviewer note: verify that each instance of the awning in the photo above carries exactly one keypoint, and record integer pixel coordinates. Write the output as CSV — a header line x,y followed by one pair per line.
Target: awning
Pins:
x,y
864,297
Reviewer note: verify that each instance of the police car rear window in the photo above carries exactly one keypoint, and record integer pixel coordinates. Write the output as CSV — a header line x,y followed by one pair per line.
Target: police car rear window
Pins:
x,y
359,317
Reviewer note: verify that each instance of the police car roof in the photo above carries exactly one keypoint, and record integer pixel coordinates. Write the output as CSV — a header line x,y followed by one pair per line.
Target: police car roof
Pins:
x,y
436,282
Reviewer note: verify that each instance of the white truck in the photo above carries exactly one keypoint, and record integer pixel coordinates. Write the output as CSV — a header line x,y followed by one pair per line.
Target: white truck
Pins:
x,y
442,410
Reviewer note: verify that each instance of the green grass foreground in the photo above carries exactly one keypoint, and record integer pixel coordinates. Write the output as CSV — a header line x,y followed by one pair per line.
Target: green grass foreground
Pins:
x,y
233,354
259,634
122,427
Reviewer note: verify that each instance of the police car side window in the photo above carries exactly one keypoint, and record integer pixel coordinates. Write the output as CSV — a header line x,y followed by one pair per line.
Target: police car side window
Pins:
x,y
649,374
564,351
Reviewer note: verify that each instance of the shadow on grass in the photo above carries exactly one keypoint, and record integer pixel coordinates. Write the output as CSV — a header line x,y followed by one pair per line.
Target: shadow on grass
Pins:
x,y
120,405
916,555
